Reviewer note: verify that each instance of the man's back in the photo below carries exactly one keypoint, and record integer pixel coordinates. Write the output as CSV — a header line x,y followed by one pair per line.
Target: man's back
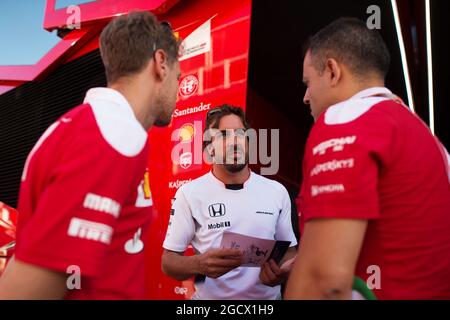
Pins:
x,y
411,240
82,202
371,158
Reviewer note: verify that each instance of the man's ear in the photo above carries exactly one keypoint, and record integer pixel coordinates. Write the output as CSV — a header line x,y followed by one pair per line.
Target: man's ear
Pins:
x,y
334,71
161,67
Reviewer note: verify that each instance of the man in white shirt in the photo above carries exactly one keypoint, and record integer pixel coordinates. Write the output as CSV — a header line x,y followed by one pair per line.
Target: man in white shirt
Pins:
x,y
229,198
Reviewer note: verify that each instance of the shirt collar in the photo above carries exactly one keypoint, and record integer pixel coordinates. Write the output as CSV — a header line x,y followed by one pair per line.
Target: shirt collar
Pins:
x,y
219,182
374,91
115,97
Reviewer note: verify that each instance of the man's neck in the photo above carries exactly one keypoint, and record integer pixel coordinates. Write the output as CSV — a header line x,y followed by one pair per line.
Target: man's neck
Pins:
x,y
355,87
132,93
231,178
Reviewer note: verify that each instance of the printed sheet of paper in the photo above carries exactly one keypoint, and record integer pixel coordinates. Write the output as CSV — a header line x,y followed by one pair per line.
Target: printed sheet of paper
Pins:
x,y
256,250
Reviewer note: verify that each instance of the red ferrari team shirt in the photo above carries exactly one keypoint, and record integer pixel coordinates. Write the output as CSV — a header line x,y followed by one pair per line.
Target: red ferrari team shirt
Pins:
x,y
84,199
370,158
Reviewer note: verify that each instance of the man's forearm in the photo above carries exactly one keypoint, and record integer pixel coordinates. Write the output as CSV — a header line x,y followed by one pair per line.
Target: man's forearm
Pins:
x,y
22,281
308,286
179,266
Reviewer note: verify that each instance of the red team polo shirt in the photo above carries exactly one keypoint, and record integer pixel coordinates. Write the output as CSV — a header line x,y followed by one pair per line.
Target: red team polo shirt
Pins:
x,y
84,199
370,158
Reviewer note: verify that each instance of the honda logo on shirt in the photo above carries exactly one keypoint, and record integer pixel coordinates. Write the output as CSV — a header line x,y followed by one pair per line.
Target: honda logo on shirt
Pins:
x,y
216,210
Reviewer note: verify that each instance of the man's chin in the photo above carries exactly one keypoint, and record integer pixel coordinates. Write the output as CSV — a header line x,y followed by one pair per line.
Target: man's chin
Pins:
x,y
162,122
235,167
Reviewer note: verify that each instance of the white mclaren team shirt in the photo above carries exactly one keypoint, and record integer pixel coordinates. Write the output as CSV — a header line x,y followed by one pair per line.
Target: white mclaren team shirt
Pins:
x,y
204,208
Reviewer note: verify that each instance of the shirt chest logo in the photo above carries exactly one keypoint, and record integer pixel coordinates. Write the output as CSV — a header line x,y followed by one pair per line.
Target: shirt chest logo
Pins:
x,y
134,245
216,210
266,213
335,145
144,195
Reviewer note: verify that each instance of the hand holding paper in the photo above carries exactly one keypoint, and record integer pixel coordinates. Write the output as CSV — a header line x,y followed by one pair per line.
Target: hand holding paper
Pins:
x,y
287,265
256,251
216,262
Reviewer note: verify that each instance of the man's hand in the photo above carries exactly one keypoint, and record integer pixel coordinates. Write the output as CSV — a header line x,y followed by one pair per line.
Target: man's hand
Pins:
x,y
217,262
272,275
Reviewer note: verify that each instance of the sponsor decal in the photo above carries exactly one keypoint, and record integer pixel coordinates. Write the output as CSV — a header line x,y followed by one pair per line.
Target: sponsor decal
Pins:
x,y
102,204
216,210
265,212
200,108
336,145
135,245
219,225
181,290
186,132
85,229
331,188
186,160
144,195
198,42
178,183
332,166
188,86
147,192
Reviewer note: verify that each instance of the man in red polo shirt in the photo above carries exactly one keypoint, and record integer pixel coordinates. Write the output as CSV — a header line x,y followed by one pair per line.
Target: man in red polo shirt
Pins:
x,y
375,199
85,199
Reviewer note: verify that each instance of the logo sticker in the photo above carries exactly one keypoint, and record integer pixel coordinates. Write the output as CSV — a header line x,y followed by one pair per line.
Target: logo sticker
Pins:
x,y
186,160
186,133
188,86
135,245
216,210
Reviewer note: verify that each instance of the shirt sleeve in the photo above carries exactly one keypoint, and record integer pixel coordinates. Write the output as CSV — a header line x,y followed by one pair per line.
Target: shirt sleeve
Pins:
x,y
340,175
75,215
284,230
181,229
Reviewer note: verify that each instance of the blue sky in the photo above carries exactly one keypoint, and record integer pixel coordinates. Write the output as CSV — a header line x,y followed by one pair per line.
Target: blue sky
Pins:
x,y
23,40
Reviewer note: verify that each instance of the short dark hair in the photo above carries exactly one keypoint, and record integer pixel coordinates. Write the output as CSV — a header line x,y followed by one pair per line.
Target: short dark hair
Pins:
x,y
214,115
351,42
128,42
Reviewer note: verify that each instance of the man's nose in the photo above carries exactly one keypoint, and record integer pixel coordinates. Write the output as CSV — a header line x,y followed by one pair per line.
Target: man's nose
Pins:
x,y
306,97
232,141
